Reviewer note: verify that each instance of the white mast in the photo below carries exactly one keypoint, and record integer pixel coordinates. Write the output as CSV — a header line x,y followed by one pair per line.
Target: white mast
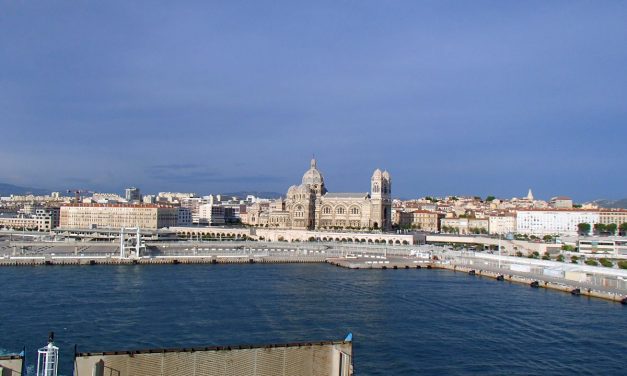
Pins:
x,y
122,243
48,358
138,242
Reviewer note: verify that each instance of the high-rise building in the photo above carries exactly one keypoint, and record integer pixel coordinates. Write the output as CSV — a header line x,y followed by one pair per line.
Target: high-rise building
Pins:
x,y
132,194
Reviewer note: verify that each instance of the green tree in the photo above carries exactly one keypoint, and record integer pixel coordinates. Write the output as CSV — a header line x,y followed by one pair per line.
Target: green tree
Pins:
x,y
574,259
518,254
622,264
547,238
546,256
611,228
568,248
599,228
592,262
584,228
623,228
490,198
560,258
605,262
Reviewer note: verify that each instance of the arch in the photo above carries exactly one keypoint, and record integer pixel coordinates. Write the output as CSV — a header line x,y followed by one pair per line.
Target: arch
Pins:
x,y
390,241
397,242
299,211
326,209
369,240
354,210
341,210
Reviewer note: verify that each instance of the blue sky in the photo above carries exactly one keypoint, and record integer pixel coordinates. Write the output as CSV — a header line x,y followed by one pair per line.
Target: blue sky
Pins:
x,y
477,98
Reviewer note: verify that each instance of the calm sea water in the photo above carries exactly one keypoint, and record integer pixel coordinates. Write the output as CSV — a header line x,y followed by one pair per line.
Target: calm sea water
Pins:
x,y
405,322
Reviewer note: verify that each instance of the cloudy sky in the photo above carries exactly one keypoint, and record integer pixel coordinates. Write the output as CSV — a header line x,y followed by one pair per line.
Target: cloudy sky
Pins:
x,y
477,98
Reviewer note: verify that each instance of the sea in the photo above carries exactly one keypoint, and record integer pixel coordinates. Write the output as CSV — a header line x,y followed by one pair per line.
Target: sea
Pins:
x,y
404,322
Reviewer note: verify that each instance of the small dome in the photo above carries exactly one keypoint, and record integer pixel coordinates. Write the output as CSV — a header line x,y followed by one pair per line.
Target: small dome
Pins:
x,y
313,176
291,190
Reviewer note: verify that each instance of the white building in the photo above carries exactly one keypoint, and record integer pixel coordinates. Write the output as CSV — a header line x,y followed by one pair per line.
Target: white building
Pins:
x,y
553,222
502,224
561,202
210,214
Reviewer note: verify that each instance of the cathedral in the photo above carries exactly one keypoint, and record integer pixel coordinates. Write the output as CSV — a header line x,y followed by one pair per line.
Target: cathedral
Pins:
x,y
309,206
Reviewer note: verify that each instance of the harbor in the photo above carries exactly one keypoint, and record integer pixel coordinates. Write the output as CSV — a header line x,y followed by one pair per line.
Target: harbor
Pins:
x,y
597,282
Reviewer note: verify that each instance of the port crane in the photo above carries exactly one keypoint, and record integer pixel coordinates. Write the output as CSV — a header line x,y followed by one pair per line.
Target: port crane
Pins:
x,y
78,193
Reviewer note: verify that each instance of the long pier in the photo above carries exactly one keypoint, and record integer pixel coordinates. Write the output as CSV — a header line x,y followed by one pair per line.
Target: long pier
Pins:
x,y
553,283
160,260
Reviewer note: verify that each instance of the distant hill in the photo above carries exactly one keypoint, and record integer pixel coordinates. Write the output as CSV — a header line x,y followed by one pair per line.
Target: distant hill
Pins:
x,y
243,194
622,204
10,189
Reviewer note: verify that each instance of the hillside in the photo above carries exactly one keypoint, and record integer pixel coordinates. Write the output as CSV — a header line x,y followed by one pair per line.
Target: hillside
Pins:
x,y
10,189
603,203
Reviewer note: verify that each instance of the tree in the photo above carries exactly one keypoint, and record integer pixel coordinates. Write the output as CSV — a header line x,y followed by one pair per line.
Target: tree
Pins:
x,y
546,256
592,262
605,262
519,254
599,228
623,228
622,264
560,258
584,228
611,228
574,259
547,238
568,248
490,198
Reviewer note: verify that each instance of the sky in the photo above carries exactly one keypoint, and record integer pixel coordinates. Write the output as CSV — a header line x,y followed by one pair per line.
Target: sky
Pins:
x,y
452,98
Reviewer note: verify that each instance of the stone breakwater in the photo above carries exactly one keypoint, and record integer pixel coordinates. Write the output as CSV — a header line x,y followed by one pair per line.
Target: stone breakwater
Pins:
x,y
561,285
40,261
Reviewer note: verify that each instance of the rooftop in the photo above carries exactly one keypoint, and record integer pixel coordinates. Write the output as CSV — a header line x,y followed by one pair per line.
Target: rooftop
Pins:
x,y
347,195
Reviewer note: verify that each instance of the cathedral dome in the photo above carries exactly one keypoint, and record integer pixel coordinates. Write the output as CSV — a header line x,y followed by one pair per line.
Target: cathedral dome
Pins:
x,y
313,176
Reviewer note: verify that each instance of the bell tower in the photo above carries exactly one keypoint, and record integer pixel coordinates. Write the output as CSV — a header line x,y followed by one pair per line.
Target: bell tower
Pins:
x,y
376,199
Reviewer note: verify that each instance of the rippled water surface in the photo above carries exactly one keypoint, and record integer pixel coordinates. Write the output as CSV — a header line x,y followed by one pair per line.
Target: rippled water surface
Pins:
x,y
427,322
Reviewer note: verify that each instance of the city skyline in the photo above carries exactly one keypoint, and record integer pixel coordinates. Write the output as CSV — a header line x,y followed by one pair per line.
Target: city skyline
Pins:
x,y
464,99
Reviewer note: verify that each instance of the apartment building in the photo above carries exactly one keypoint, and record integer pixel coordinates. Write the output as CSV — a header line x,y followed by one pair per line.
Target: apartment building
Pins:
x,y
117,215
553,222
502,224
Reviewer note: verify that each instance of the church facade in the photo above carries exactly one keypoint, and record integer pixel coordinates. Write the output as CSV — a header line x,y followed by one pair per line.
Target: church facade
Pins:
x,y
309,206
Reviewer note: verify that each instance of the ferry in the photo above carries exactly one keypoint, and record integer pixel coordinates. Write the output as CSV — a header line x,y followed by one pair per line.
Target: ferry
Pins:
x,y
322,358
